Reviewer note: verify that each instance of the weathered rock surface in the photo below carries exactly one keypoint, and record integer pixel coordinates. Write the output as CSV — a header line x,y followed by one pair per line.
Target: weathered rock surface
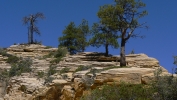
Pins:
x,y
71,85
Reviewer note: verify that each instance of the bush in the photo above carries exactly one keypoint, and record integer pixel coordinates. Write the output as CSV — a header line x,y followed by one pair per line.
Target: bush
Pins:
x,y
40,74
48,47
3,52
64,70
12,59
52,70
82,68
58,55
20,67
121,92
55,61
166,86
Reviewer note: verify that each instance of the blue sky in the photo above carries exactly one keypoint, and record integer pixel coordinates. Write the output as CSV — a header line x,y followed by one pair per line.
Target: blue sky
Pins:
x,y
159,42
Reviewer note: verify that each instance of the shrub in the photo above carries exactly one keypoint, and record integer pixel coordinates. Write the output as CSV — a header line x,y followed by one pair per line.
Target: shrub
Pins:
x,y
47,47
52,70
82,68
3,52
64,70
12,59
55,61
121,92
58,55
166,86
20,67
40,74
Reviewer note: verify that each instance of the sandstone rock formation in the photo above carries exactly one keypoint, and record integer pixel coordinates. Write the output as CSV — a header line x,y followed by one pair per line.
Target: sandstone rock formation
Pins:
x,y
95,70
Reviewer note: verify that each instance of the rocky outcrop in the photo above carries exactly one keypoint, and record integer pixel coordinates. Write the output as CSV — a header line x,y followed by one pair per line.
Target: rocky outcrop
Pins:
x,y
32,50
96,70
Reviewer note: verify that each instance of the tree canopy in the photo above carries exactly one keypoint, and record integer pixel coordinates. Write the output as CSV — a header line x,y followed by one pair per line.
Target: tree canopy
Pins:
x,y
75,37
123,16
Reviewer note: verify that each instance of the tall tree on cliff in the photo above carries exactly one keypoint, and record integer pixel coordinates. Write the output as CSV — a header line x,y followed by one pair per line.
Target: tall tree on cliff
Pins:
x,y
103,35
31,21
123,16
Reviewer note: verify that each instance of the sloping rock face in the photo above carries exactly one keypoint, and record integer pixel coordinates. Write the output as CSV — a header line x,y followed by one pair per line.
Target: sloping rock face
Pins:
x,y
97,70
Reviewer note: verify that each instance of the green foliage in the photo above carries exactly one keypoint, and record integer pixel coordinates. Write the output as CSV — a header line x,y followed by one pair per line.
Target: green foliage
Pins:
x,y
23,88
40,74
166,86
163,88
103,35
20,67
122,17
69,38
82,68
82,33
75,38
52,70
58,55
121,92
64,70
4,74
12,59
3,52
132,52
55,61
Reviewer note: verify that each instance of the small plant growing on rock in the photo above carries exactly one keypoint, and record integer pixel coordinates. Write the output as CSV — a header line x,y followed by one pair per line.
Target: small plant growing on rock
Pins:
x,y
64,70
3,52
52,70
122,92
12,59
40,74
20,67
48,47
82,68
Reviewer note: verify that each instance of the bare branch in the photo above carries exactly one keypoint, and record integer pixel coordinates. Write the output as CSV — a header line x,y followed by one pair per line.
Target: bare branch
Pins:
x,y
39,15
25,20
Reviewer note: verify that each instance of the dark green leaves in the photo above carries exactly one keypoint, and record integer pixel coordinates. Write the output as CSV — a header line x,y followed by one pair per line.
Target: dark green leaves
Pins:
x,y
75,37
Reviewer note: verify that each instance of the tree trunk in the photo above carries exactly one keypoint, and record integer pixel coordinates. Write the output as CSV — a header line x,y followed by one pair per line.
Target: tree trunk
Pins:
x,y
31,29
122,53
32,36
106,48
29,35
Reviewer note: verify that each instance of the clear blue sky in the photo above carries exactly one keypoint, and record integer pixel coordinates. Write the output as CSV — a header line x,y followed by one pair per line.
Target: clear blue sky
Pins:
x,y
160,40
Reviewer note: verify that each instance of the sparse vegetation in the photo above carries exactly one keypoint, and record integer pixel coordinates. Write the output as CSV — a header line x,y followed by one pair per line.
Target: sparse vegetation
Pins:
x,y
48,47
52,70
64,70
162,88
57,56
40,74
3,52
82,68
20,67
121,92
12,59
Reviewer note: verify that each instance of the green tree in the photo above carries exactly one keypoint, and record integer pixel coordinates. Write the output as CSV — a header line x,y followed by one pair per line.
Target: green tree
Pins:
x,y
75,37
103,35
31,21
82,33
123,16
69,38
